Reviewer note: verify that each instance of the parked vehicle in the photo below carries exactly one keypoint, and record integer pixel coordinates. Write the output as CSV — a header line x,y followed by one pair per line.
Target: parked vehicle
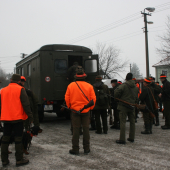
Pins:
x,y
46,73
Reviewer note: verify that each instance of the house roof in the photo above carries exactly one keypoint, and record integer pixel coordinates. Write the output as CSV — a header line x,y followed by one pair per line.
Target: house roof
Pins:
x,y
165,62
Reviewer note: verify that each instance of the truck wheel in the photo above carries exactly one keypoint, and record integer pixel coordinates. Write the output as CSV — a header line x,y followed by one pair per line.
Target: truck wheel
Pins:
x,y
41,113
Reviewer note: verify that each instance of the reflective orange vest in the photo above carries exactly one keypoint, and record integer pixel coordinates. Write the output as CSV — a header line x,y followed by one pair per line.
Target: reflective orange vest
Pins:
x,y
11,106
74,97
138,86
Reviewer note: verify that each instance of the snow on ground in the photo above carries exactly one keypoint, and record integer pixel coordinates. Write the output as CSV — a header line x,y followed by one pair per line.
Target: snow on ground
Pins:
x,y
50,149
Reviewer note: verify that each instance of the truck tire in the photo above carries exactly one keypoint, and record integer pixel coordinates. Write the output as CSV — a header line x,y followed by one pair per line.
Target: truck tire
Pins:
x,y
41,113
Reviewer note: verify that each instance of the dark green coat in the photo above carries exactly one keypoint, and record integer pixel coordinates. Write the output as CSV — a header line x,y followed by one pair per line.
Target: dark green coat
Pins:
x,y
34,106
146,97
165,91
157,91
114,103
124,93
101,86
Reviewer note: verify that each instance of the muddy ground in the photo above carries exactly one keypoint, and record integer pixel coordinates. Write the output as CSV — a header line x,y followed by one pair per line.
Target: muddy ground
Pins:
x,y
50,149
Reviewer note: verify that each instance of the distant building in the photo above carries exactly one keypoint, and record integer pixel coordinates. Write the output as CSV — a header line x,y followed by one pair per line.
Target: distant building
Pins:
x,y
163,67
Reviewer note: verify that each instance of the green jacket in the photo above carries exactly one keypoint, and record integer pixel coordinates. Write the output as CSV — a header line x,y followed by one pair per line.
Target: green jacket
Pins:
x,y
100,88
124,92
113,101
34,106
157,91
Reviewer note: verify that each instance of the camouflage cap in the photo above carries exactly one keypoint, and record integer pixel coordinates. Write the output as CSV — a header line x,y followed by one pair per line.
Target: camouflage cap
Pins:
x,y
16,77
98,77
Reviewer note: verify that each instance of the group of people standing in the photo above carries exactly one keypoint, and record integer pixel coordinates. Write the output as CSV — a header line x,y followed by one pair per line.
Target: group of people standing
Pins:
x,y
121,98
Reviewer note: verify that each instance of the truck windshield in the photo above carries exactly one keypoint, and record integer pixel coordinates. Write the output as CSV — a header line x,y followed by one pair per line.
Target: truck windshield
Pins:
x,y
60,66
91,66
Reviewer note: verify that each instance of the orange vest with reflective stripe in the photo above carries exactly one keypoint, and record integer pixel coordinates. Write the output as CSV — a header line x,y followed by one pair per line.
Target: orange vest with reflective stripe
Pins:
x,y
11,106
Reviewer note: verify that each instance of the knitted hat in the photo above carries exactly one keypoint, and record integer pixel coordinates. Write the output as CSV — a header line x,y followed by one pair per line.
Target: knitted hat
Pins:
x,y
163,76
80,74
114,81
98,78
16,77
129,76
147,80
152,78
23,78
120,82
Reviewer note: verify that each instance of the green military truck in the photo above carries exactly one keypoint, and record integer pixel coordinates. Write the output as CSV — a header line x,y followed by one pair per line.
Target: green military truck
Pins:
x,y
46,73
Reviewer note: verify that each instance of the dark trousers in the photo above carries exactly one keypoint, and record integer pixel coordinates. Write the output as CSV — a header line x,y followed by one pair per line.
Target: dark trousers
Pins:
x,y
116,117
147,118
101,113
92,120
167,112
77,121
17,129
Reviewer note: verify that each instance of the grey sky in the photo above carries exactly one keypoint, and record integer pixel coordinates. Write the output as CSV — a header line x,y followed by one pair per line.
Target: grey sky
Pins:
x,y
26,25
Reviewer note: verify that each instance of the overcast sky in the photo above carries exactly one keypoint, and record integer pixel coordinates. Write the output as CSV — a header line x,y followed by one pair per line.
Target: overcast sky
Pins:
x,y
26,25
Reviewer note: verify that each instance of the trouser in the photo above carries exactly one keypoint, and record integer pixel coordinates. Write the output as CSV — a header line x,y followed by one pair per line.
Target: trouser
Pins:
x,y
156,113
92,120
78,120
72,125
17,129
167,112
103,114
148,120
131,116
36,118
116,117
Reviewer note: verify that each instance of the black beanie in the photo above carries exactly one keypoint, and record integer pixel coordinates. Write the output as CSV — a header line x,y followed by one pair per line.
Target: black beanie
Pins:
x,y
129,76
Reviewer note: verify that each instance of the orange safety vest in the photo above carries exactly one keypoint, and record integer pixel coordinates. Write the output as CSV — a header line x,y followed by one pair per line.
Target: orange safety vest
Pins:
x,y
75,99
11,106
138,86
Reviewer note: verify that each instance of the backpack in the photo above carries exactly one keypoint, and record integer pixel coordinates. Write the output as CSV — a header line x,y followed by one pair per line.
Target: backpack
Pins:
x,y
101,98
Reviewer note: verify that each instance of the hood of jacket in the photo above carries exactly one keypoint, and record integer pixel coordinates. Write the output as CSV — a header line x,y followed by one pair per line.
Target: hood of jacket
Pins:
x,y
131,83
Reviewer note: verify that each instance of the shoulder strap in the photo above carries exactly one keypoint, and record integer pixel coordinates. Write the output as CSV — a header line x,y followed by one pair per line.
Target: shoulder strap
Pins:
x,y
82,91
152,94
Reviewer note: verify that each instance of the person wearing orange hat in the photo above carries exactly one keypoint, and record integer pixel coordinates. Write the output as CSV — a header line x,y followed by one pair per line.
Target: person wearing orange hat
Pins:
x,y
157,91
14,109
78,94
146,97
34,107
165,95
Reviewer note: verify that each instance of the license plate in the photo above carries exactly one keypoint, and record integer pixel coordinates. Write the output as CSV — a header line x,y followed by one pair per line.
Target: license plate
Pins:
x,y
48,107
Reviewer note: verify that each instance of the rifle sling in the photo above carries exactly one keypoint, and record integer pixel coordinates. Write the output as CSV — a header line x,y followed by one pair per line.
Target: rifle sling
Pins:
x,y
82,91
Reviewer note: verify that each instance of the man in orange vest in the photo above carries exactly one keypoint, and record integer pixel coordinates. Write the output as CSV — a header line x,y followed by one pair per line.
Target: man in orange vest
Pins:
x,y
14,109
78,94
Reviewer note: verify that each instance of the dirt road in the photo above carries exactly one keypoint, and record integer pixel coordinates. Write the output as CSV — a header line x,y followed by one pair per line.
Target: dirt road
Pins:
x,y
50,150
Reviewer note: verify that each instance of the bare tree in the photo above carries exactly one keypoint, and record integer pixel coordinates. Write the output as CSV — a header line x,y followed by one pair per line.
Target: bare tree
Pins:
x,y
164,50
135,71
110,62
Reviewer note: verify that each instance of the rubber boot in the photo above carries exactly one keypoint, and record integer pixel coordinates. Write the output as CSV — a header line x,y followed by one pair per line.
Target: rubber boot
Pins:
x,y
4,148
147,129
18,148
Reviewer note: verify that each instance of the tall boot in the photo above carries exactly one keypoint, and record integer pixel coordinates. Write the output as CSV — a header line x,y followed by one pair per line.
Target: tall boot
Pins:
x,y
4,148
147,129
18,148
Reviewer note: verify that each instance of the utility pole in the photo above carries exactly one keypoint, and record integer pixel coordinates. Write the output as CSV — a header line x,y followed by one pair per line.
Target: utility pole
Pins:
x,y
146,37
130,68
